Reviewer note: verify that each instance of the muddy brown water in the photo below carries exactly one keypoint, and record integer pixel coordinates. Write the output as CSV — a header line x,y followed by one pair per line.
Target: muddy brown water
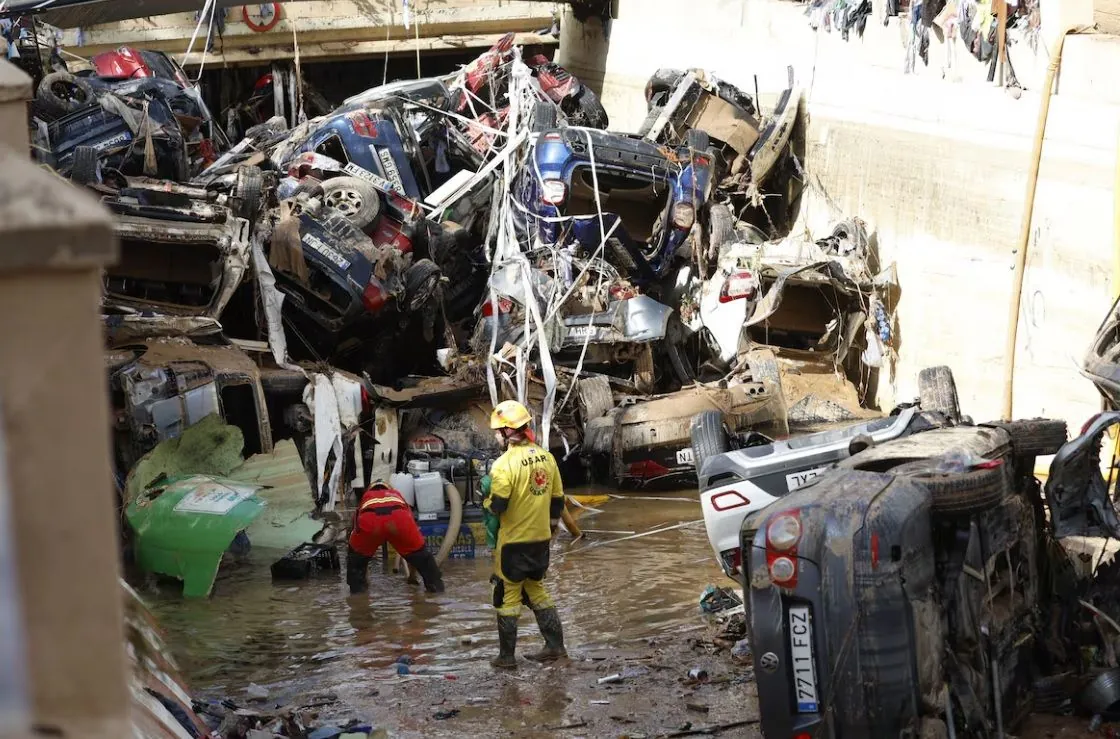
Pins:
x,y
312,638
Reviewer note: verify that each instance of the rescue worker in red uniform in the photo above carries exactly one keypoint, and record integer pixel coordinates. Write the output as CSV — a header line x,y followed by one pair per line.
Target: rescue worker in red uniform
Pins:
x,y
385,516
527,496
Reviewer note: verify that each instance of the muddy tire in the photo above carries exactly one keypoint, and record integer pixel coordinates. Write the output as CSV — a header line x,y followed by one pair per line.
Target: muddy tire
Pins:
x,y
283,382
595,398
421,283
958,493
697,140
721,229
938,392
586,110
355,199
709,437
676,348
1039,437
544,117
249,190
643,369
661,82
62,92
83,170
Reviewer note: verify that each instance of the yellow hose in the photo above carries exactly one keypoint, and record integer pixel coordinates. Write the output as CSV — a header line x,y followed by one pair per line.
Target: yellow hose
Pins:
x,y
1025,231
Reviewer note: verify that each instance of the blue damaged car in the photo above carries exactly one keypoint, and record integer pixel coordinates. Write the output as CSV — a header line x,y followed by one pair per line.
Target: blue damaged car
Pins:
x,y
650,195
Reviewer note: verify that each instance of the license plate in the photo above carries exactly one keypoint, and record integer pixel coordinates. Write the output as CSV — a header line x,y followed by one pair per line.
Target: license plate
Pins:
x,y
581,332
327,251
376,180
684,456
796,480
801,652
390,167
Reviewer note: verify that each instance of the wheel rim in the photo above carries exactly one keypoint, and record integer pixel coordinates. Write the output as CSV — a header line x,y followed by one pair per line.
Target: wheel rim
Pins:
x,y
347,202
67,91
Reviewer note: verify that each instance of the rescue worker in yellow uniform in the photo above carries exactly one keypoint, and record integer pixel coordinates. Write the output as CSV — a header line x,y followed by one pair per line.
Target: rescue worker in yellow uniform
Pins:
x,y
528,498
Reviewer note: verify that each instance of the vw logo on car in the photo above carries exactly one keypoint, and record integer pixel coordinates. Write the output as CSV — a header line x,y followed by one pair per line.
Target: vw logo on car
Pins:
x,y
768,662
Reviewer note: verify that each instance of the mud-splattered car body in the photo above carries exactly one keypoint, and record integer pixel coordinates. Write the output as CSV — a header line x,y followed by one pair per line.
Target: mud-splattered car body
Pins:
x,y
160,386
180,254
876,586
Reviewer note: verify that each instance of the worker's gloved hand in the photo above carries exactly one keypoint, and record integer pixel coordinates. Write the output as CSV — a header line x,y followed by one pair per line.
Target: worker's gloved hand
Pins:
x,y
553,524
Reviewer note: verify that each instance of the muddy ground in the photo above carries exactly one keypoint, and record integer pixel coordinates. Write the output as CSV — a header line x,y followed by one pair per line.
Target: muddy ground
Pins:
x,y
630,606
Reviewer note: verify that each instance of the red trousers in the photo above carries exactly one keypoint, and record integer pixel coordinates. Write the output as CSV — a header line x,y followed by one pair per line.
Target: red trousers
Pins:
x,y
392,523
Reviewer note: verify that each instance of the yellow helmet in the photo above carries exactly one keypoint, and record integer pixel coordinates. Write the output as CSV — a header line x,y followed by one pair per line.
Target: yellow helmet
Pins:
x,y
509,414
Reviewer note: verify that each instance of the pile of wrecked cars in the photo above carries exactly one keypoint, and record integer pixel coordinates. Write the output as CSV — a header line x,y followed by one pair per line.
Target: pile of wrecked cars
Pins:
x,y
910,575
348,292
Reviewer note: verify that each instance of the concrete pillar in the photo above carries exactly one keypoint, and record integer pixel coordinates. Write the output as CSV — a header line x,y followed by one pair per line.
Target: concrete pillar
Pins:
x,y
54,240
583,47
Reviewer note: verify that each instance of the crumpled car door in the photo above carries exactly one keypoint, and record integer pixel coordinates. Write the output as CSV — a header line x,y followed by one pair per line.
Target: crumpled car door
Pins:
x,y
1077,491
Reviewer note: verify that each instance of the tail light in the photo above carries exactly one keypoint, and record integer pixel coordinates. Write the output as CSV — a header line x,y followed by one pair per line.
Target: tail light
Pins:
x,y
732,560
374,296
684,215
729,499
505,305
741,284
554,192
783,534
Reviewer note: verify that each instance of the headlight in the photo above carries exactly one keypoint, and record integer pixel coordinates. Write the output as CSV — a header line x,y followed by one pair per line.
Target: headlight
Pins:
x,y
784,532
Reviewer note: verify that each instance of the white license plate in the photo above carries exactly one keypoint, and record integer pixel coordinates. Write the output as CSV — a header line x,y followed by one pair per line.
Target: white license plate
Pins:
x,y
801,652
684,456
581,332
796,480
327,251
376,180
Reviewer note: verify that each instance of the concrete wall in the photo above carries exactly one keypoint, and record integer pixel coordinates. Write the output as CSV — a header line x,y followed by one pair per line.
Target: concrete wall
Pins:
x,y
937,167
327,29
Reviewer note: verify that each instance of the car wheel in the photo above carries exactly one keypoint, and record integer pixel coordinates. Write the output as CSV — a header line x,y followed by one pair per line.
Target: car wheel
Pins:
x,y
249,190
938,392
63,92
697,140
283,382
589,111
721,229
83,170
958,493
544,117
1037,437
643,369
676,346
421,282
709,437
662,82
594,397
355,199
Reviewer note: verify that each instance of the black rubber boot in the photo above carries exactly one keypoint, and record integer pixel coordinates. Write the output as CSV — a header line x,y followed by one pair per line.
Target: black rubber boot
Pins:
x,y
548,619
424,563
356,571
507,643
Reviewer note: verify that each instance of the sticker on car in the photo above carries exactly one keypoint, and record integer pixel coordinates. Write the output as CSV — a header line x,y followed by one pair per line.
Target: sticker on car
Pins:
x,y
796,480
684,456
801,652
328,251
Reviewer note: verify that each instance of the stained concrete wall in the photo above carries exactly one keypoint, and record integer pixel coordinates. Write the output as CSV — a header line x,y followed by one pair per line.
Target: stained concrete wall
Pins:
x,y
937,167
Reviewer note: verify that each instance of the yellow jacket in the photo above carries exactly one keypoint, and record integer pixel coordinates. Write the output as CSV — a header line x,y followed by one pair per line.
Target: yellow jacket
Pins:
x,y
526,493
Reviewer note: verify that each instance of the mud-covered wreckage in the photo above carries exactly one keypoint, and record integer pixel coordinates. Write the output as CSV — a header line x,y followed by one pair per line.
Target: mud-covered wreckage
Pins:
x,y
484,230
